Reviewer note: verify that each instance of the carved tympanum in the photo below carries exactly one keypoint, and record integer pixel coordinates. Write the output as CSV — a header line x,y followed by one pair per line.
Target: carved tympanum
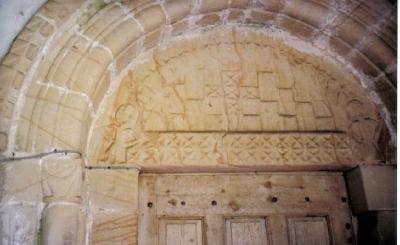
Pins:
x,y
225,98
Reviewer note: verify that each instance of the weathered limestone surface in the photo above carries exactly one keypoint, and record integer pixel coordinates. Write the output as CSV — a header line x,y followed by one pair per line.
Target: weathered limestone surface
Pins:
x,y
113,205
228,98
63,220
82,56
63,224
42,193
20,201
19,223
62,179
20,181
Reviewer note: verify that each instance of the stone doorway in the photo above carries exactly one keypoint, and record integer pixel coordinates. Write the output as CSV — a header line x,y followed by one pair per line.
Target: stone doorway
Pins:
x,y
244,208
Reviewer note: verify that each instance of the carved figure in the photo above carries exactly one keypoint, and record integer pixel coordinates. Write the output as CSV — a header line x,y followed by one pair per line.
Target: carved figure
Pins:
x,y
121,134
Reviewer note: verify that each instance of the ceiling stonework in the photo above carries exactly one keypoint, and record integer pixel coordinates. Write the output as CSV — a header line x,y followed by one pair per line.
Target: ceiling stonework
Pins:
x,y
72,54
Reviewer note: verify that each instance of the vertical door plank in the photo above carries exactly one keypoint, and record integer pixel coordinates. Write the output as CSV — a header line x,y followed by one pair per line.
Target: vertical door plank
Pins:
x,y
309,231
180,232
278,229
172,234
246,231
215,225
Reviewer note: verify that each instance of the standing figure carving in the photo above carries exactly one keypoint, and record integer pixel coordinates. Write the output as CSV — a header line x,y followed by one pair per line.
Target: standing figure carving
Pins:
x,y
122,134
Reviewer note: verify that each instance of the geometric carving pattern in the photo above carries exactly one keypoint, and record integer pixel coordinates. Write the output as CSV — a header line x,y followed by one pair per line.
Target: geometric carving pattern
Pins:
x,y
244,149
287,148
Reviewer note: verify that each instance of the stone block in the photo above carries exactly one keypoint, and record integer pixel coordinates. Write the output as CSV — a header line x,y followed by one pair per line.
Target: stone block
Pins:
x,y
62,73
180,26
388,34
113,196
306,11
297,28
274,5
285,71
268,85
286,106
122,35
101,55
152,38
339,46
305,116
239,3
130,52
378,51
114,228
68,133
62,224
363,14
20,181
78,103
113,190
249,122
101,89
290,123
321,109
62,179
325,123
235,15
213,6
363,64
351,31
262,16
271,121
19,224
250,107
208,19
86,76
151,17
213,106
372,188
177,9
99,22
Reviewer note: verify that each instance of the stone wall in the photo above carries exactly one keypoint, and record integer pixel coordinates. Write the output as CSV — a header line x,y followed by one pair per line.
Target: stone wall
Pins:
x,y
71,53
42,200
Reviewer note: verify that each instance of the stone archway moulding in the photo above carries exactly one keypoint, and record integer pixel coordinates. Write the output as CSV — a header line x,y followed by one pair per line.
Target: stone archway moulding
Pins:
x,y
64,62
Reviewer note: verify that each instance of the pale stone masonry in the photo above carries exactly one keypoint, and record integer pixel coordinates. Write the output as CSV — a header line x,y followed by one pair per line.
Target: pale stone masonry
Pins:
x,y
183,86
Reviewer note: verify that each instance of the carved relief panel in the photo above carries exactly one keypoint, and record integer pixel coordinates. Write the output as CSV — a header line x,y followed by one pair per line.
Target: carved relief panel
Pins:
x,y
226,98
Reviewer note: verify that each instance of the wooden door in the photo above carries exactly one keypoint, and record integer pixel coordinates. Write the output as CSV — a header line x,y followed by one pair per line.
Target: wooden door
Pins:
x,y
244,209
243,231
309,231
180,232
